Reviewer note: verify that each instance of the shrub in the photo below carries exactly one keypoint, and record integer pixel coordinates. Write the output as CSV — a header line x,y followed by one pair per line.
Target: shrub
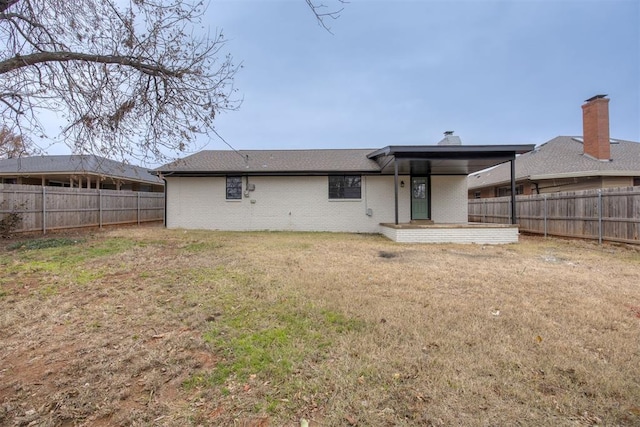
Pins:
x,y
10,221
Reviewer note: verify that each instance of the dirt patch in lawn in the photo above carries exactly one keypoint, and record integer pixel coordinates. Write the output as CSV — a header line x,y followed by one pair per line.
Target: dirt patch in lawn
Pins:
x,y
158,327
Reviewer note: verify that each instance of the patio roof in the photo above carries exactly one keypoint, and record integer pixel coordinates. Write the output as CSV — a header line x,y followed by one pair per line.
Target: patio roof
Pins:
x,y
445,159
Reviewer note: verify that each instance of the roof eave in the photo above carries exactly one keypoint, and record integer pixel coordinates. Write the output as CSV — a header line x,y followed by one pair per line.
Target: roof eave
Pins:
x,y
498,183
579,174
204,173
583,174
454,150
381,152
69,173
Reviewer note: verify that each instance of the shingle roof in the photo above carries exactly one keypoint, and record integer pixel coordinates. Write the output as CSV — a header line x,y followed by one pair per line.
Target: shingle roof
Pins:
x,y
274,161
563,155
63,164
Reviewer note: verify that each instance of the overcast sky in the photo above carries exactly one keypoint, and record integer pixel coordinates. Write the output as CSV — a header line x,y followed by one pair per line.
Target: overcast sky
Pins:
x,y
403,72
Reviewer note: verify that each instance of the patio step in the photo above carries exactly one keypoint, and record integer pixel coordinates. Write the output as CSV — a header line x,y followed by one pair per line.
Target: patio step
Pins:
x,y
422,221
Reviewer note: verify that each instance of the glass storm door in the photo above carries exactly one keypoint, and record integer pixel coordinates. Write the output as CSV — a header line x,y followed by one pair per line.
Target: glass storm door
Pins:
x,y
419,197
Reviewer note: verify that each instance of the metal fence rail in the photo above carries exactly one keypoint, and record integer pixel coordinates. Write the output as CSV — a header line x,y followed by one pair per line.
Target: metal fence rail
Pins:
x,y
603,214
52,208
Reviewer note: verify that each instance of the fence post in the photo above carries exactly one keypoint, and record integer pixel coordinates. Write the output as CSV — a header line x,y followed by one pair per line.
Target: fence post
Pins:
x,y
484,210
138,214
100,207
545,215
599,216
44,210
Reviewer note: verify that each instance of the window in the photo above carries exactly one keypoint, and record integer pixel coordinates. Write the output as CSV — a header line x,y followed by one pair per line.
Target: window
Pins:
x,y
636,181
506,191
234,187
477,195
344,187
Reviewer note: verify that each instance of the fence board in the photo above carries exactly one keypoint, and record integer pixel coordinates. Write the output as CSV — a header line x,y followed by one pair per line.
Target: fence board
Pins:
x,y
607,214
48,208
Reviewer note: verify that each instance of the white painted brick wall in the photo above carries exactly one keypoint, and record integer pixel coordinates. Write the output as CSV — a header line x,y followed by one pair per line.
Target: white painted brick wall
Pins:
x,y
283,203
449,202
484,235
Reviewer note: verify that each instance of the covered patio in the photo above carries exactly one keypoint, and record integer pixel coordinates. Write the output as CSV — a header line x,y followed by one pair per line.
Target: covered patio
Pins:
x,y
439,207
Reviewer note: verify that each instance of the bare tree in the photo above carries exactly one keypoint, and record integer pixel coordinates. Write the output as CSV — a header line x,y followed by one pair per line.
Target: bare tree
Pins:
x,y
324,12
13,146
130,81
130,78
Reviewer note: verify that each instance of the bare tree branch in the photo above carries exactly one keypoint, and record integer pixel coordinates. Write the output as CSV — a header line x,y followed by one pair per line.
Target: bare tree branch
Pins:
x,y
123,79
36,58
5,4
129,81
322,12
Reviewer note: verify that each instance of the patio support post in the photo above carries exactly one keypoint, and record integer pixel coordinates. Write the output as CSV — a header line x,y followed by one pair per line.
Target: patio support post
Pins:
x,y
513,191
395,186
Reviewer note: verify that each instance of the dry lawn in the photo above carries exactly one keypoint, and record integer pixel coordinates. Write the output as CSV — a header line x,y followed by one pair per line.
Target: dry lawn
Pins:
x,y
175,328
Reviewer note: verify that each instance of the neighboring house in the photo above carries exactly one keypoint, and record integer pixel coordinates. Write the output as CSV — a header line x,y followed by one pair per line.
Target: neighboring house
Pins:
x,y
568,163
78,171
393,190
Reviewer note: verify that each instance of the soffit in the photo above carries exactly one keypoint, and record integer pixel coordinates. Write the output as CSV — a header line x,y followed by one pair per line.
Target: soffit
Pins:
x,y
445,160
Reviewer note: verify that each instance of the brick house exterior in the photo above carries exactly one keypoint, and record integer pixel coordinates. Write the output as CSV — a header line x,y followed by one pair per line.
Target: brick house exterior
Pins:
x,y
341,190
568,163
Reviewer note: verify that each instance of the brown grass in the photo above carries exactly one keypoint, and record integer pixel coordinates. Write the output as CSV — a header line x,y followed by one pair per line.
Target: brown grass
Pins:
x,y
160,327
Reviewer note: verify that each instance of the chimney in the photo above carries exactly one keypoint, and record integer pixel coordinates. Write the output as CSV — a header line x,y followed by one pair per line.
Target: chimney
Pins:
x,y
450,139
595,127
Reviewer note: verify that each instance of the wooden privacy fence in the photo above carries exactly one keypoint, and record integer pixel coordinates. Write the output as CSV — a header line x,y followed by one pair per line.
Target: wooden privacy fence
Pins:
x,y
608,214
51,208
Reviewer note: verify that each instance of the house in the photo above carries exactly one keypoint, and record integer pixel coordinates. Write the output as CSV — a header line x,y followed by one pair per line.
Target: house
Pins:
x,y
79,171
568,163
408,193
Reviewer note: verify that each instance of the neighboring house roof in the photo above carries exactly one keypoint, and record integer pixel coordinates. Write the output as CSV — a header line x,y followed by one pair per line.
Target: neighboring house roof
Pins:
x,y
563,157
76,164
274,161
411,159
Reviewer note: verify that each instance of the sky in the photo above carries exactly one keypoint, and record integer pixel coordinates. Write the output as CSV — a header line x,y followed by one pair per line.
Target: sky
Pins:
x,y
403,72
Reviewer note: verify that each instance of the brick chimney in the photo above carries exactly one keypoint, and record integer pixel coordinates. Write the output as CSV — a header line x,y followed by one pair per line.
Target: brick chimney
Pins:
x,y
595,127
